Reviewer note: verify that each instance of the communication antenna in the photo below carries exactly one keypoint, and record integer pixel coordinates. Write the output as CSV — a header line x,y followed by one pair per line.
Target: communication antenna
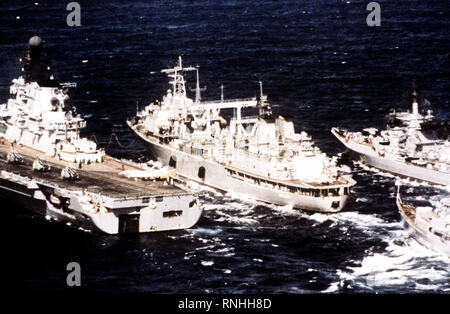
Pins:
x,y
198,96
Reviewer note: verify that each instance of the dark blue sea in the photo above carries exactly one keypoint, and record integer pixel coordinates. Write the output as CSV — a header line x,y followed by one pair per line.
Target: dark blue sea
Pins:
x,y
320,63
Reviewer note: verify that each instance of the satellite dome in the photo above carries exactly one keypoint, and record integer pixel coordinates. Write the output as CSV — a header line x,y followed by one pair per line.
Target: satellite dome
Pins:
x,y
35,41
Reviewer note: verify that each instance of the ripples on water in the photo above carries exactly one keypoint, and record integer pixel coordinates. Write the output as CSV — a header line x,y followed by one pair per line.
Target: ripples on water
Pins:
x,y
320,63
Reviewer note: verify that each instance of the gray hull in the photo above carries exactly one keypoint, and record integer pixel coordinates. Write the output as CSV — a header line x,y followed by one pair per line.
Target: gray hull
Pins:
x,y
215,175
117,214
425,238
431,242
170,212
369,156
34,201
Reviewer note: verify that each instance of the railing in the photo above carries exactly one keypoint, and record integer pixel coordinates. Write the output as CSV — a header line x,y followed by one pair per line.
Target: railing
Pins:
x,y
227,101
295,188
243,119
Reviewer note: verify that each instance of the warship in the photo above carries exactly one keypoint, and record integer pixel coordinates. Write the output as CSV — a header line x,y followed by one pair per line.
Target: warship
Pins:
x,y
46,166
253,153
414,144
429,225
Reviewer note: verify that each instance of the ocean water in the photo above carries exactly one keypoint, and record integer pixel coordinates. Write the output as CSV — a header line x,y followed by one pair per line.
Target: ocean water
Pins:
x,y
320,63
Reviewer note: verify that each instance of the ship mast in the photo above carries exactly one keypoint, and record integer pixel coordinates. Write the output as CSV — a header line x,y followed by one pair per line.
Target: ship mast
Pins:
x,y
176,73
198,97
264,107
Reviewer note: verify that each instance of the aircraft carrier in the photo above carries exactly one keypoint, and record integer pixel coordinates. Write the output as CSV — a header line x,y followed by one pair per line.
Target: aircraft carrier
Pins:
x,y
47,167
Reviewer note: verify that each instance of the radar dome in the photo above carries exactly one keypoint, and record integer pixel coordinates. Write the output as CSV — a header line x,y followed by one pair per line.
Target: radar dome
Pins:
x,y
35,41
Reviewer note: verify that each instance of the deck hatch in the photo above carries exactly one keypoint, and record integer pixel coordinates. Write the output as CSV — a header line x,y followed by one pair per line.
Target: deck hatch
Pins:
x,y
128,223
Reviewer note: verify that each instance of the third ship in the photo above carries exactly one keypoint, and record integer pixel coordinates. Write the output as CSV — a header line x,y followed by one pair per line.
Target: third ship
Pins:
x,y
414,144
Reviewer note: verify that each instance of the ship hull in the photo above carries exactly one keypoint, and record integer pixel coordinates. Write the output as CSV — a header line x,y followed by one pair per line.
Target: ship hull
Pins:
x,y
428,240
215,175
170,213
151,210
370,157
20,195
23,197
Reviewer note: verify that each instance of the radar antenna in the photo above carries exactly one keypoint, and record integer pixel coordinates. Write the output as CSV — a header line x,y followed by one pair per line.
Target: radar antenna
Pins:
x,y
178,82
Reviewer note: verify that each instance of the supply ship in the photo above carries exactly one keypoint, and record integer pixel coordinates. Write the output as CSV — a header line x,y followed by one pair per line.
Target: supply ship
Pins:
x,y
46,166
414,144
253,153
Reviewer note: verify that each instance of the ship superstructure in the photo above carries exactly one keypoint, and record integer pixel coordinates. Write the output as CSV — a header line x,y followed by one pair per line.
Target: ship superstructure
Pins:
x,y
258,155
39,117
407,148
48,167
